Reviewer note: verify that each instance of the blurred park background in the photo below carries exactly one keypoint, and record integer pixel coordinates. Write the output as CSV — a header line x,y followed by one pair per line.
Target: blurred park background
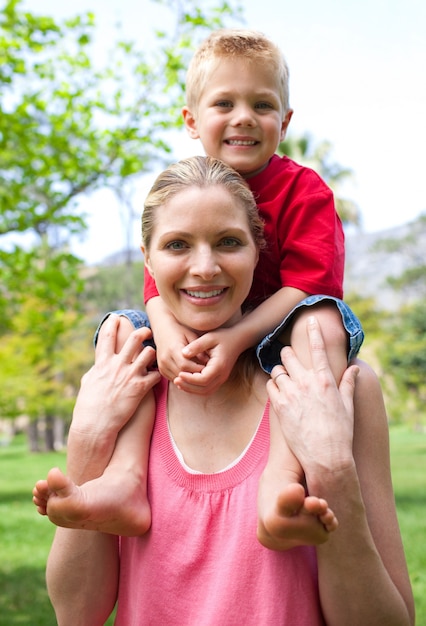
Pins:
x,y
79,131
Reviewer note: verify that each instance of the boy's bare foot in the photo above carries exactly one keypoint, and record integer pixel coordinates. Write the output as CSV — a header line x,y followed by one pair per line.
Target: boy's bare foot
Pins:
x,y
110,504
295,520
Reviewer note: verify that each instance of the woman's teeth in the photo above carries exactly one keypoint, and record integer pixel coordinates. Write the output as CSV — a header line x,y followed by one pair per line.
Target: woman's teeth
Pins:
x,y
204,294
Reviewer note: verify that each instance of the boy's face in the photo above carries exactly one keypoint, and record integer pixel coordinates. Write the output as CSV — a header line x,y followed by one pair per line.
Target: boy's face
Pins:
x,y
239,117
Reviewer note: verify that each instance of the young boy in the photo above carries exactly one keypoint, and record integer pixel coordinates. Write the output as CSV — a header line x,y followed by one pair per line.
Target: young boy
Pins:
x,y
238,106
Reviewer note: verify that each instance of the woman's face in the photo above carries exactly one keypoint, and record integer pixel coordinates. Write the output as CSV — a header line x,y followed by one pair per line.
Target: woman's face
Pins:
x,y
202,257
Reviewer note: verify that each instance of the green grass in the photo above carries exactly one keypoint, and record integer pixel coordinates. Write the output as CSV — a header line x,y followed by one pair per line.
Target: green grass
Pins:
x,y
25,536
408,456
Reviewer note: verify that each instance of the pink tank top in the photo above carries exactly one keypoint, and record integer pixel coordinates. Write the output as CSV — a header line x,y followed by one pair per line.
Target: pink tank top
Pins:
x,y
200,564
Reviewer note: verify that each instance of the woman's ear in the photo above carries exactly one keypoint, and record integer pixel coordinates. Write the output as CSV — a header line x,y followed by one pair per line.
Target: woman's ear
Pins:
x,y
147,261
190,123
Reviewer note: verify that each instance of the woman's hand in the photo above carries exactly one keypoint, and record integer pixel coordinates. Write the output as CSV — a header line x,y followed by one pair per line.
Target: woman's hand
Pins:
x,y
316,416
114,386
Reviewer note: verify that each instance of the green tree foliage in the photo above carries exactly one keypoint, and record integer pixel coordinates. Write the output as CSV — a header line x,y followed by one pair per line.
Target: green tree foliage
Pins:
x,y
404,354
69,127
118,286
319,157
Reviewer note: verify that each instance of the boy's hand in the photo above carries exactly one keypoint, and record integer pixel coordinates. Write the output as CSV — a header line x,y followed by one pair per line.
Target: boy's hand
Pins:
x,y
171,359
221,350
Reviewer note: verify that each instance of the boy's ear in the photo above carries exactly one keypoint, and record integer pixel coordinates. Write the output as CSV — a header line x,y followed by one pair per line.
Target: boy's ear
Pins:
x,y
190,123
147,261
285,123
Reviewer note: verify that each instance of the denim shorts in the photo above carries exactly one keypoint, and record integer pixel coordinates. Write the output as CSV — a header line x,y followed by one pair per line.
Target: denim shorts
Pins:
x,y
138,319
268,350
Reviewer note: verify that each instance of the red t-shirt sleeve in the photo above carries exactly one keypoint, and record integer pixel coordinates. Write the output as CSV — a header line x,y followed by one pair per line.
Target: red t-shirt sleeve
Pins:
x,y
303,232
311,240
149,287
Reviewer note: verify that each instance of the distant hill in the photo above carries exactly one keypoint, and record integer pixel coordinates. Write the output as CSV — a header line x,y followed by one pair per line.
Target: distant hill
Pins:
x,y
371,258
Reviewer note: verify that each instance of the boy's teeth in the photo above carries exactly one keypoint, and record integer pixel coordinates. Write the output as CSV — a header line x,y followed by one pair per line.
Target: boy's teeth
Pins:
x,y
204,294
238,142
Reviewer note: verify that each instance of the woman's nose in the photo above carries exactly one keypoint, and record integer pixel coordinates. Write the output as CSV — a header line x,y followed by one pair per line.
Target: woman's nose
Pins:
x,y
204,264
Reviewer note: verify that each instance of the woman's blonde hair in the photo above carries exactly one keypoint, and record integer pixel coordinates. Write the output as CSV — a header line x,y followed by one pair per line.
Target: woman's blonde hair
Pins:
x,y
234,43
201,172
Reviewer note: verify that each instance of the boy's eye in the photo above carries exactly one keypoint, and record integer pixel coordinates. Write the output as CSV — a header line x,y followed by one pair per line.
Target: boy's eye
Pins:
x,y
264,105
224,104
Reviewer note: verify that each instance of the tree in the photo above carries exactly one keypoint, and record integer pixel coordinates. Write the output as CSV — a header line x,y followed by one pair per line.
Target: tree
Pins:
x,y
67,128
303,150
404,351
33,356
404,354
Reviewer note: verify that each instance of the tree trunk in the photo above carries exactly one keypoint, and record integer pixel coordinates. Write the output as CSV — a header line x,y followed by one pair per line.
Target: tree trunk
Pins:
x,y
32,433
49,441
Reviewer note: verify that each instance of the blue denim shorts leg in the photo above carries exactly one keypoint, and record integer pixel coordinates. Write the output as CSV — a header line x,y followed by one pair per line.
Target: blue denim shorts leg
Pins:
x,y
138,319
268,350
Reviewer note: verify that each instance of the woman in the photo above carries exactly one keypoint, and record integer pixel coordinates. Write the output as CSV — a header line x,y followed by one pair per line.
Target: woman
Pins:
x,y
201,563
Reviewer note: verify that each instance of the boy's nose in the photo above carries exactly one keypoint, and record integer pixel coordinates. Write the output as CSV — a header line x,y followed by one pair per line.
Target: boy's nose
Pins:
x,y
243,116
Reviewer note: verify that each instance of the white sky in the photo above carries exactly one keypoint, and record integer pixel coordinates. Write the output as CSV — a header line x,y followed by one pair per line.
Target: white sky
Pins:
x,y
357,80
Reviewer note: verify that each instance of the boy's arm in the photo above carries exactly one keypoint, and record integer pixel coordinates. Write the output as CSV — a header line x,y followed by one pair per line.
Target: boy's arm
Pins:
x,y
224,346
170,339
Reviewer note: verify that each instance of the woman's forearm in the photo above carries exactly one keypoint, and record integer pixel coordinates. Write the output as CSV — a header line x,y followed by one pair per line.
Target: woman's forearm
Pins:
x,y
355,583
340,437
82,568
82,576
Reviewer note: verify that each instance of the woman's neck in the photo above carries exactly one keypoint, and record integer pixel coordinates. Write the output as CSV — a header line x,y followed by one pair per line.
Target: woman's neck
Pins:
x,y
212,431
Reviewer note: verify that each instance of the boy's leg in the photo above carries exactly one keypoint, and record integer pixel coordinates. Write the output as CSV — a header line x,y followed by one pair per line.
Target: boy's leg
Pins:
x,y
341,329
132,319
116,502
333,332
287,517
279,494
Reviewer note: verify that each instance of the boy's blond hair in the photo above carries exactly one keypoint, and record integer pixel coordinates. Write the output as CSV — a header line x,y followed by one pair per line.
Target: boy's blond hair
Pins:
x,y
237,43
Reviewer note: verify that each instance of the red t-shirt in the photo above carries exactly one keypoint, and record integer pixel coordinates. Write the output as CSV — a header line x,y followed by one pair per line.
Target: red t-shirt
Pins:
x,y
303,232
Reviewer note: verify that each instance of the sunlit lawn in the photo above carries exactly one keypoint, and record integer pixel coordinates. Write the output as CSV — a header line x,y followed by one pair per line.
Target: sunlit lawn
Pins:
x,y
409,479
25,536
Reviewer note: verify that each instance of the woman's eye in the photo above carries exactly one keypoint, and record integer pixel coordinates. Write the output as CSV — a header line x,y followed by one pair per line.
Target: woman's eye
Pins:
x,y
230,242
176,245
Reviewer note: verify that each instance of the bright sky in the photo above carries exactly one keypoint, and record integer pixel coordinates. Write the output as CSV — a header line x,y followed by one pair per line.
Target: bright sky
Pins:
x,y
357,79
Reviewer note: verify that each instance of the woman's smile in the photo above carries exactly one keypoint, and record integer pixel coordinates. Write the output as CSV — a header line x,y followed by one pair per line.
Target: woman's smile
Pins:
x,y
205,296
